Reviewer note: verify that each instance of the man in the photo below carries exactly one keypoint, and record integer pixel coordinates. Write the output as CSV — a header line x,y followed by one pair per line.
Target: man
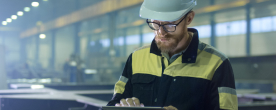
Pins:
x,y
177,71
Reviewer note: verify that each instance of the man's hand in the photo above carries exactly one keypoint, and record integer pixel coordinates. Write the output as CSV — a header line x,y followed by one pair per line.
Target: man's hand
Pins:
x,y
170,108
130,102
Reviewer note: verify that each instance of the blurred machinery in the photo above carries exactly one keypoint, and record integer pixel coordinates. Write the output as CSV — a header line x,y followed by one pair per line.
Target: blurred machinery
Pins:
x,y
74,69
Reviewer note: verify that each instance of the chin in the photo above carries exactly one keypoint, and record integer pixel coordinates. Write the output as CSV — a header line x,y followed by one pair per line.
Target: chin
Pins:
x,y
165,47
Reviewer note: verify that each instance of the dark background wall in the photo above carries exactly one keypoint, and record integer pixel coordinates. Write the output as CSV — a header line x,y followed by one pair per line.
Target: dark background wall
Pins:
x,y
254,68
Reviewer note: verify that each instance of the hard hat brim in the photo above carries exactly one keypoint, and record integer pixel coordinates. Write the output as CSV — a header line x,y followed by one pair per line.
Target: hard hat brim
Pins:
x,y
163,16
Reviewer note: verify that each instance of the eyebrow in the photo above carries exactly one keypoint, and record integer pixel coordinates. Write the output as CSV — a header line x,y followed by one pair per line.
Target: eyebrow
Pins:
x,y
173,22
167,22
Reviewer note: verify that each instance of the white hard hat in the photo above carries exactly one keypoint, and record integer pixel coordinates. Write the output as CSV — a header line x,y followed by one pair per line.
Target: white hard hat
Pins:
x,y
166,10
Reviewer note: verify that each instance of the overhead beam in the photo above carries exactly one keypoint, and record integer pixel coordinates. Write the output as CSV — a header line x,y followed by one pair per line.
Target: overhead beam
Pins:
x,y
213,8
235,4
98,9
209,9
108,6
3,28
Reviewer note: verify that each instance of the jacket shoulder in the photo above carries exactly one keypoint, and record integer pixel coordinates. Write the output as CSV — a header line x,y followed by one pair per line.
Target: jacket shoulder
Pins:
x,y
142,48
212,50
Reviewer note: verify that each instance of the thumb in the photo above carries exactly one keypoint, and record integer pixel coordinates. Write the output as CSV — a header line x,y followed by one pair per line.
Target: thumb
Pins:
x,y
170,108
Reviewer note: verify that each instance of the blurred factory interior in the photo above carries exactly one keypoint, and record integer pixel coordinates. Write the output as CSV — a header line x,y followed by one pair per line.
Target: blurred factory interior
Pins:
x,y
68,54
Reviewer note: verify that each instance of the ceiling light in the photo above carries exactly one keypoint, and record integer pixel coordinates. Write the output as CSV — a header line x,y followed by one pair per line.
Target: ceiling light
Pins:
x,y
9,20
14,17
4,23
20,13
45,0
27,9
42,36
35,4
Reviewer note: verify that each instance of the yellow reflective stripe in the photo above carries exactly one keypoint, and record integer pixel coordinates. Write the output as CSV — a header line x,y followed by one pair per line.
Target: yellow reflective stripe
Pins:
x,y
145,62
228,101
204,67
119,87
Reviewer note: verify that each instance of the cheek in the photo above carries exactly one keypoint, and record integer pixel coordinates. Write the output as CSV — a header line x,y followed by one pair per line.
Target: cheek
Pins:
x,y
155,32
179,29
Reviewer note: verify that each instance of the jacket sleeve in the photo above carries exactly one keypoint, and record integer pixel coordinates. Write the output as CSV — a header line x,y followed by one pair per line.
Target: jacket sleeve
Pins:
x,y
123,88
222,89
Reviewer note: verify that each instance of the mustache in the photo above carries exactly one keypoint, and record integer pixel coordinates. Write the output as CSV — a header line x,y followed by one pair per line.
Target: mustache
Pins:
x,y
165,36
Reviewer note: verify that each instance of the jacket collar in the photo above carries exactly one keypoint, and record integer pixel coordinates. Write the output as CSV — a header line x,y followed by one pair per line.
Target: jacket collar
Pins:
x,y
189,56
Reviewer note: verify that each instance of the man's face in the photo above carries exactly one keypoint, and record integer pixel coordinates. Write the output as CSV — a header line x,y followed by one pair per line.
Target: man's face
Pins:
x,y
168,41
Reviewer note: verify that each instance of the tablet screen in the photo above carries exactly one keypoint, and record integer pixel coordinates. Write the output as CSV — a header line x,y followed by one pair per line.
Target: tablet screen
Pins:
x,y
131,108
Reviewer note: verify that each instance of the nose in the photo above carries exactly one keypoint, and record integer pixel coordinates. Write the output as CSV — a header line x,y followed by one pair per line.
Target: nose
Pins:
x,y
162,31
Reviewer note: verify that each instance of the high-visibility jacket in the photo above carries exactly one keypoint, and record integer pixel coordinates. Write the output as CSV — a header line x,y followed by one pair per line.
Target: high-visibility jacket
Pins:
x,y
200,79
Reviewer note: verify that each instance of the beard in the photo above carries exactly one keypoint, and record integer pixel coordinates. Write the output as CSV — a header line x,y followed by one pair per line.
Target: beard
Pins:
x,y
168,45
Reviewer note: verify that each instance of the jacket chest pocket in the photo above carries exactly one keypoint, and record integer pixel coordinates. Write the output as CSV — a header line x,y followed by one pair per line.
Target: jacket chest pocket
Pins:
x,y
143,86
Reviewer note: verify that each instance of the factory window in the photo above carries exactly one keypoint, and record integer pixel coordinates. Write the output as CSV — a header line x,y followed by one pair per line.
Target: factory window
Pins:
x,y
92,43
274,23
204,31
237,27
119,41
221,29
256,25
264,24
231,28
132,39
105,42
148,37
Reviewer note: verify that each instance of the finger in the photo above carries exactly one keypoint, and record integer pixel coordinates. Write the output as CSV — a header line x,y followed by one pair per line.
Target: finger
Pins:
x,y
136,101
142,105
123,102
130,102
170,108
173,108
117,105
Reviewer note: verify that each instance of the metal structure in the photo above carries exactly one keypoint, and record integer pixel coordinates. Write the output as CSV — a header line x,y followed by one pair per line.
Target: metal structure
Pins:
x,y
3,74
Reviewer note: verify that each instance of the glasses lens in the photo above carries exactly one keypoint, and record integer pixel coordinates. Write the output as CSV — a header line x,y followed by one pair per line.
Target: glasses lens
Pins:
x,y
154,26
170,28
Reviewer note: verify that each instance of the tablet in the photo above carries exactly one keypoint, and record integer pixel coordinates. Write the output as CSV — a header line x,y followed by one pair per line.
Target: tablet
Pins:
x,y
131,108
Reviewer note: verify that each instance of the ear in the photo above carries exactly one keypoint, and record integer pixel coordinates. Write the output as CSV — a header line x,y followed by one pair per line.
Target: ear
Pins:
x,y
190,17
